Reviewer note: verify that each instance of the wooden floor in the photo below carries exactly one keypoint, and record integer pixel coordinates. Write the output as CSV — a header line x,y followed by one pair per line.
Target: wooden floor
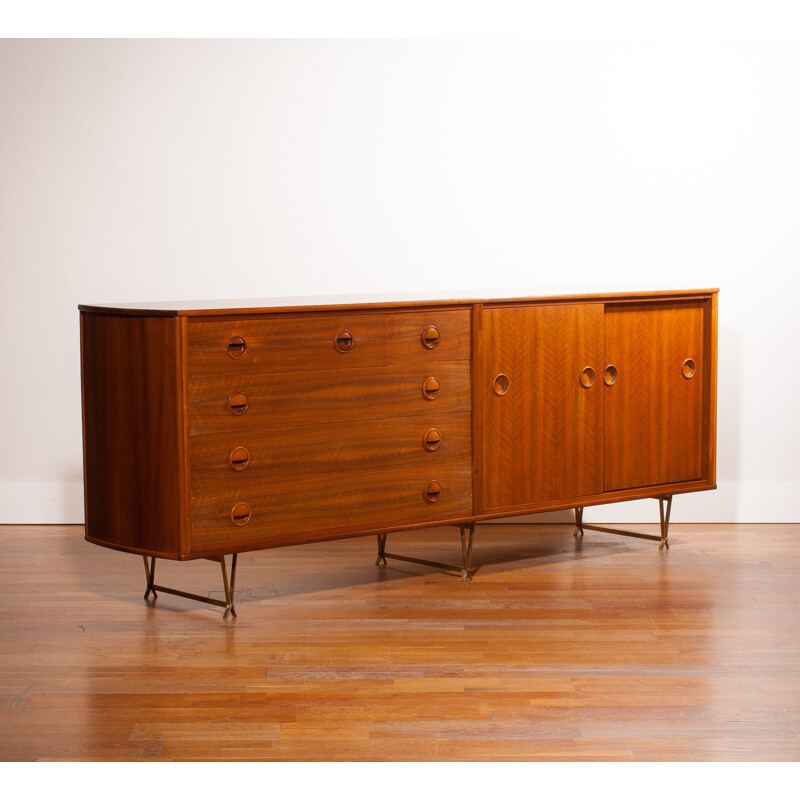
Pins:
x,y
557,650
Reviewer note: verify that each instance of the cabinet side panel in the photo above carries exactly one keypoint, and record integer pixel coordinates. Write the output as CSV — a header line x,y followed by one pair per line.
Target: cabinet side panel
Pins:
x,y
131,432
710,390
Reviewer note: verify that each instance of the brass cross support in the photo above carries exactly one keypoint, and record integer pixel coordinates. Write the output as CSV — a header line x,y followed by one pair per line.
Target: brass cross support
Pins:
x,y
467,533
663,541
227,603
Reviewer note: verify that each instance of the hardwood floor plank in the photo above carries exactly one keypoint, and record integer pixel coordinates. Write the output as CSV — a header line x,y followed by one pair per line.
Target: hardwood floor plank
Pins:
x,y
605,649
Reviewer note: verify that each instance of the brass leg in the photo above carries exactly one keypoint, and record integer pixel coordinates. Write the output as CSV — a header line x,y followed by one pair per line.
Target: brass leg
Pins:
x,y
466,551
227,603
465,570
229,609
664,543
234,561
578,523
150,574
664,512
381,550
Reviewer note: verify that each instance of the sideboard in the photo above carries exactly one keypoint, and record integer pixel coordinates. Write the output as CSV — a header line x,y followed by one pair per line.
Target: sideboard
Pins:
x,y
210,429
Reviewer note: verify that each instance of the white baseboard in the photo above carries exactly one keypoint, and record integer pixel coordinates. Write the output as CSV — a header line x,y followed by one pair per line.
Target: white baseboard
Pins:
x,y
57,503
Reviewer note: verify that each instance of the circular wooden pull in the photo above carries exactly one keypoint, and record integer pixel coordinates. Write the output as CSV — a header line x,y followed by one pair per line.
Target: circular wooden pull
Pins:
x,y
343,341
239,458
500,384
240,514
431,388
433,491
431,337
237,404
237,347
610,375
587,377
432,439
688,369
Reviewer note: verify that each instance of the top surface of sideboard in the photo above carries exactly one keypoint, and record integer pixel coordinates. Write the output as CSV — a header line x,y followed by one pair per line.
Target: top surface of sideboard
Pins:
x,y
385,300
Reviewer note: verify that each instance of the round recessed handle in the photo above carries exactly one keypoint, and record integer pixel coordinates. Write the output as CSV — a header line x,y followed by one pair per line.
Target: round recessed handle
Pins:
x,y
431,388
587,377
433,491
500,384
239,458
237,346
343,341
610,375
688,368
432,439
240,514
431,337
237,404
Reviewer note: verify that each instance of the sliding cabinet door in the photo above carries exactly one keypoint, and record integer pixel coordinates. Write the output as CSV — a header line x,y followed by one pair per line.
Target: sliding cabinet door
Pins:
x,y
541,383
653,394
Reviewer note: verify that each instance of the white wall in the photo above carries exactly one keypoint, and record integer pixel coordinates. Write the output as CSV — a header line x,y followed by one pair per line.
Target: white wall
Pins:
x,y
148,170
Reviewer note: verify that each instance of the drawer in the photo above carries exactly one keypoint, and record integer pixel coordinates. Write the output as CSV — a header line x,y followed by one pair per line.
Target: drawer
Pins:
x,y
286,344
338,448
427,337
306,398
305,343
328,503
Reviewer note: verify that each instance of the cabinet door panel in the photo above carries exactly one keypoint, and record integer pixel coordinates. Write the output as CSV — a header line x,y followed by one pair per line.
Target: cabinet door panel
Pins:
x,y
653,413
544,436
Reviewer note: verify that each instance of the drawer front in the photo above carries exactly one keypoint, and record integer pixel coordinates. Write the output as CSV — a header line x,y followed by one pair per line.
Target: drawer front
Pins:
x,y
327,503
287,344
220,404
310,343
251,458
428,337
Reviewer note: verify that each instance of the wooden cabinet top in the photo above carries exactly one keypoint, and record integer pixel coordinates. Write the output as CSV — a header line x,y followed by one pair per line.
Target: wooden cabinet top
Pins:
x,y
389,300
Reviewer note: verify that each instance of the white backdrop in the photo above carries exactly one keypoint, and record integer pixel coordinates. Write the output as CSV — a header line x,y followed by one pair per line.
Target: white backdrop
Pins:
x,y
157,170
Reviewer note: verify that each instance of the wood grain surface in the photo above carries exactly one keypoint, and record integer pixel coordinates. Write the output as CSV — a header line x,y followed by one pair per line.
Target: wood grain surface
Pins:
x,y
133,431
298,398
332,439
543,438
363,499
286,344
334,449
605,650
360,302
653,414
289,343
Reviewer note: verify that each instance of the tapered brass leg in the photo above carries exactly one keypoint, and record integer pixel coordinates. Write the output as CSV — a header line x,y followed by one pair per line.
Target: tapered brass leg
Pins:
x,y
381,550
664,543
578,523
664,512
150,574
234,560
227,603
466,551
465,570
229,609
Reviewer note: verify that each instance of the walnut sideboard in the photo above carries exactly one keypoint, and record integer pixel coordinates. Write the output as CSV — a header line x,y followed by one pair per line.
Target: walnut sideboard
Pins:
x,y
216,428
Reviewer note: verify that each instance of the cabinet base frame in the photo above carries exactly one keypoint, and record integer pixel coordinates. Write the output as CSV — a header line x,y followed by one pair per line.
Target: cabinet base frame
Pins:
x,y
467,533
663,541
227,603
465,570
